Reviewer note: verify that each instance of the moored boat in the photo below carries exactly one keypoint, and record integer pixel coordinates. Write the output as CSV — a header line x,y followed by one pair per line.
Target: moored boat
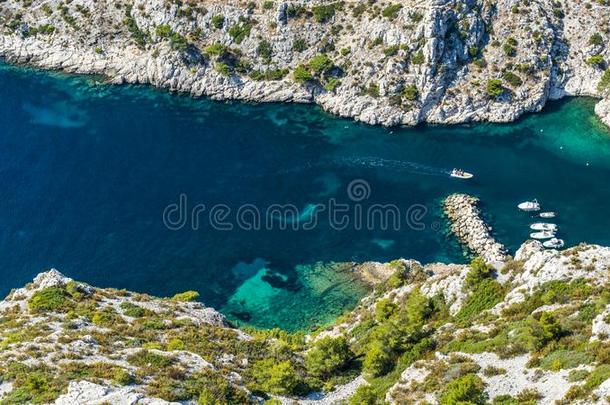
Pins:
x,y
541,226
553,243
529,206
542,235
461,174
549,214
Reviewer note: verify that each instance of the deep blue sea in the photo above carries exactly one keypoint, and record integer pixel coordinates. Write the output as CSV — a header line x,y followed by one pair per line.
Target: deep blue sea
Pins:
x,y
92,178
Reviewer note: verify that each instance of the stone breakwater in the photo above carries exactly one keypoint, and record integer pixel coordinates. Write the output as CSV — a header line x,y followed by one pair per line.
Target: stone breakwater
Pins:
x,y
471,230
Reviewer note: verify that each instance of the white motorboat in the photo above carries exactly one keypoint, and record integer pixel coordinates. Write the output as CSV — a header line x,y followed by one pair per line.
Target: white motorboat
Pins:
x,y
542,226
542,235
529,206
553,243
461,174
548,214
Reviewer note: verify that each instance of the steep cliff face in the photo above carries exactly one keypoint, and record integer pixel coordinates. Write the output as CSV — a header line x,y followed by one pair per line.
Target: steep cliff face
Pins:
x,y
442,61
535,331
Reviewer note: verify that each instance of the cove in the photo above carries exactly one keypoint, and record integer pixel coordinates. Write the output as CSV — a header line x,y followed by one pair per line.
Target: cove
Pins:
x,y
87,171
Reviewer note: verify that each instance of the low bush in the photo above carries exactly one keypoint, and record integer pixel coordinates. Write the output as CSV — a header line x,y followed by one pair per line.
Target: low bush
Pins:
x,y
186,296
50,299
391,11
468,389
328,356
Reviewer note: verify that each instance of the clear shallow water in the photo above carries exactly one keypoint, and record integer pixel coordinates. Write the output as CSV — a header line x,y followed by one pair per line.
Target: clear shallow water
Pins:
x,y
87,171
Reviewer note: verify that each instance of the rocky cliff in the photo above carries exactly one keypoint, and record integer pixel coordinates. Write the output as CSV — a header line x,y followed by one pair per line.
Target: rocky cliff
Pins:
x,y
535,331
440,61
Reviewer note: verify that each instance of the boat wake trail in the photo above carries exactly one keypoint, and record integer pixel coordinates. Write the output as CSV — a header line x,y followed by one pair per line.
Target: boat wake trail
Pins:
x,y
398,165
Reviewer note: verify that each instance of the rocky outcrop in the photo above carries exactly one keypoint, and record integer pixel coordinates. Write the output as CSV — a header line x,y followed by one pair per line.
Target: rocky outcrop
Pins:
x,y
602,109
439,61
471,230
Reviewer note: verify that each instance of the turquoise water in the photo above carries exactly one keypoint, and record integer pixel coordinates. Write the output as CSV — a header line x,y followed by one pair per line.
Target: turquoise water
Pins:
x,y
88,170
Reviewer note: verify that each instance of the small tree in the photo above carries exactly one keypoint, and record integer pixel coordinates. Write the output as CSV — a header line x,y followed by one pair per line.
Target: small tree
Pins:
x,y
218,21
494,88
378,360
280,378
328,356
467,389
302,74
320,64
479,270
596,39
364,395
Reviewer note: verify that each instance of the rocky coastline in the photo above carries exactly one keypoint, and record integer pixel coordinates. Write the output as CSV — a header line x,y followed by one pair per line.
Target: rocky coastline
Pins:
x,y
436,61
536,331
468,226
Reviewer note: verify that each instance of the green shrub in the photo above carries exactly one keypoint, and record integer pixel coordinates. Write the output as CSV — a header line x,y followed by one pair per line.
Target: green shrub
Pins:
x,y
494,88
512,79
299,45
264,50
410,92
190,295
132,310
140,37
122,377
391,11
150,360
218,21
175,344
50,299
384,309
216,49
163,31
551,329
418,58
596,39
323,13
302,74
509,50
276,378
600,374
332,83
268,5
467,389
105,317
564,359
320,64
485,295
596,60
479,271
240,31
391,50
378,360
364,395
328,356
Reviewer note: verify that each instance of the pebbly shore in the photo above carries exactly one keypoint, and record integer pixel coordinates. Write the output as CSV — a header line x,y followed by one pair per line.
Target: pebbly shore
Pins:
x,y
471,230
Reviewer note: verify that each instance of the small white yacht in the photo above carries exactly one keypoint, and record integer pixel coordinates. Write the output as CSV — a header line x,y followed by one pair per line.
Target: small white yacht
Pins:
x,y
553,243
529,206
542,235
461,174
542,226
549,214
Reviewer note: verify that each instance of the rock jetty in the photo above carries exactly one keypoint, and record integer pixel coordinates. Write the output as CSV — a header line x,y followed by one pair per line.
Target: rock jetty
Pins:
x,y
471,230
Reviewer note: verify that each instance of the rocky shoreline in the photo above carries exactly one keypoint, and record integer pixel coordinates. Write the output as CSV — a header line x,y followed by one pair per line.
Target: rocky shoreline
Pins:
x,y
471,230
440,61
